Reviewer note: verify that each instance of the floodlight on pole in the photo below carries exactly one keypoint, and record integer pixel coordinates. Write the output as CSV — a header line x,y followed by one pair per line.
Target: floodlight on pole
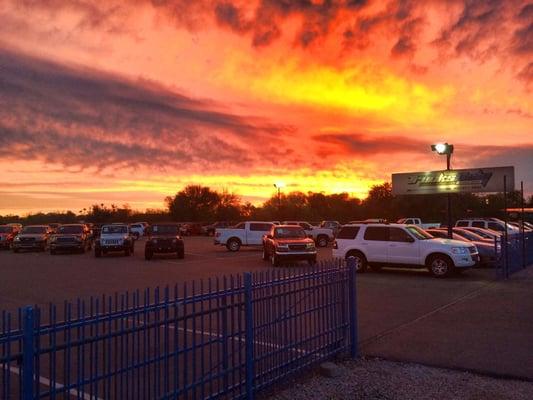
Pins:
x,y
446,149
279,186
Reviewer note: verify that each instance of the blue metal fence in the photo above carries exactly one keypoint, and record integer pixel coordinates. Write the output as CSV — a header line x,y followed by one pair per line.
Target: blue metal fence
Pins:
x,y
514,252
221,338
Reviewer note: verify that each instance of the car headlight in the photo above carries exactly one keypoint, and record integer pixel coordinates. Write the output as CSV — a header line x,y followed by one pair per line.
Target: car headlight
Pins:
x,y
17,239
459,250
310,246
53,239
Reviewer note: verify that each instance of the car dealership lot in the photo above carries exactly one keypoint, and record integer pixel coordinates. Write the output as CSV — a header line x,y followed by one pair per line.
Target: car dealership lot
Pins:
x,y
405,306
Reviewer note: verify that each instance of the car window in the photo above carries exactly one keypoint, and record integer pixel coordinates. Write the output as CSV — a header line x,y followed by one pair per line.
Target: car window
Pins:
x,y
165,229
260,227
439,234
306,226
292,232
348,232
242,225
110,229
70,229
377,233
34,229
496,227
462,223
478,224
399,235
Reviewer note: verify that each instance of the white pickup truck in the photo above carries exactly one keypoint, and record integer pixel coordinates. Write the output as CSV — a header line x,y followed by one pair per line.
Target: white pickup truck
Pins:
x,y
418,222
321,236
248,233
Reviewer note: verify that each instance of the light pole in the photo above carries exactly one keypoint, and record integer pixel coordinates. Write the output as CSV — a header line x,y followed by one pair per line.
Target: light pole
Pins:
x,y
447,149
279,186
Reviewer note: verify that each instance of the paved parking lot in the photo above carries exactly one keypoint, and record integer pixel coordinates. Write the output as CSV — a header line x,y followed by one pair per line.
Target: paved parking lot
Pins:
x,y
404,314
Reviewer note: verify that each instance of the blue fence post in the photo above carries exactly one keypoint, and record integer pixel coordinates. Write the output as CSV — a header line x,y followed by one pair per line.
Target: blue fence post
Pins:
x,y
28,343
352,307
249,335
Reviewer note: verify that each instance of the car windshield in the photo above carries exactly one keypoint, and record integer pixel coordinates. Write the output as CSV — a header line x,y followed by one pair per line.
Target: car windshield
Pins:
x,y
289,233
470,235
114,229
6,229
34,229
418,233
165,229
70,229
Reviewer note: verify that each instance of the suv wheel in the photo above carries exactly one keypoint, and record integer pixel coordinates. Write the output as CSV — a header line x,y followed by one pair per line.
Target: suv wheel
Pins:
x,y
233,244
360,261
148,255
322,241
440,266
181,253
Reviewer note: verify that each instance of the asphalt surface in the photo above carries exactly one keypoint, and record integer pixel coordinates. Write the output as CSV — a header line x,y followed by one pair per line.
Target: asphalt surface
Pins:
x,y
467,321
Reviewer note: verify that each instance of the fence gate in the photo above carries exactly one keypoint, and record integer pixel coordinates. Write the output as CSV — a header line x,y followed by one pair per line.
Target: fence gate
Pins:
x,y
221,338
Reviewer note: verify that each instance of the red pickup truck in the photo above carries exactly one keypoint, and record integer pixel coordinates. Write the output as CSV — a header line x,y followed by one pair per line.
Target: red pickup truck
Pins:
x,y
288,243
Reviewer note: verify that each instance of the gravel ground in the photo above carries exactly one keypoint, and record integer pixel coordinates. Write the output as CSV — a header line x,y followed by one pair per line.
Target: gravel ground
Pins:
x,y
380,379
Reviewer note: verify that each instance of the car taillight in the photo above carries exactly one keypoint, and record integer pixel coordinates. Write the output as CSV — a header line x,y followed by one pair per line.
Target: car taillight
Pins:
x,y
335,246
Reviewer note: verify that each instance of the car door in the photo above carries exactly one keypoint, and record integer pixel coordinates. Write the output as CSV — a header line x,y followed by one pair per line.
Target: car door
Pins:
x,y
375,243
256,232
403,248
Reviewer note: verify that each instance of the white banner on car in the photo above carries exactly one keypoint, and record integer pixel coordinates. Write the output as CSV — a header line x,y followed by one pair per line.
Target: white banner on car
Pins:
x,y
472,180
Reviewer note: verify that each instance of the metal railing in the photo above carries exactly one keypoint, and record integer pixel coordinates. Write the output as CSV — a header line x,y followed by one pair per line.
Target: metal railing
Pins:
x,y
222,338
514,252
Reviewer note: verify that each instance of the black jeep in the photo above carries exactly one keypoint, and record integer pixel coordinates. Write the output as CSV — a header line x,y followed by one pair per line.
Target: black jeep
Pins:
x,y
164,238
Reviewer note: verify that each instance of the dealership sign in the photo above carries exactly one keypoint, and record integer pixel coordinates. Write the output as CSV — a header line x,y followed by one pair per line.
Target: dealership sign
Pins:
x,y
453,181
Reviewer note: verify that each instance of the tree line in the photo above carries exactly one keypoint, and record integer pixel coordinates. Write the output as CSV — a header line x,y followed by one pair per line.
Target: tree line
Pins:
x,y
196,203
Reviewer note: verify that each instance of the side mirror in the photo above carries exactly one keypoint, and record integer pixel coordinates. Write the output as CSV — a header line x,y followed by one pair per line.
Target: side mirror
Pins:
x,y
268,236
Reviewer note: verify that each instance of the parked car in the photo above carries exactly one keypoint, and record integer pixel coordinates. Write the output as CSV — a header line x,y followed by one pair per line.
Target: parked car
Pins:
x,y
418,222
7,234
244,234
164,238
492,224
485,233
288,243
71,237
399,245
32,237
16,225
321,236
191,228
519,226
472,236
333,225
486,250
209,230
114,238
137,230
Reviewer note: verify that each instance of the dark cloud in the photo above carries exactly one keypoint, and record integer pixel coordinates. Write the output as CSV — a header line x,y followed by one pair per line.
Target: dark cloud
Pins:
x,y
85,118
364,144
227,14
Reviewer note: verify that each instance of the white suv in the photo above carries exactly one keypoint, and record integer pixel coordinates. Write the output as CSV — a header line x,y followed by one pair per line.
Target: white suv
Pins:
x,y
402,245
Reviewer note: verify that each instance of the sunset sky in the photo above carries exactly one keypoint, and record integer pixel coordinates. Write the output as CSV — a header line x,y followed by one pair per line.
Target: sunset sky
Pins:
x,y
128,101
